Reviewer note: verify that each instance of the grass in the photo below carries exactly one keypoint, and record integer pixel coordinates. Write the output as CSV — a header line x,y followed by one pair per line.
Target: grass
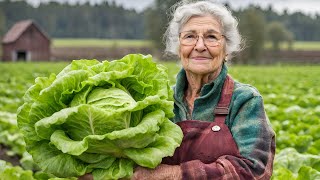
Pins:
x,y
91,42
298,45
81,42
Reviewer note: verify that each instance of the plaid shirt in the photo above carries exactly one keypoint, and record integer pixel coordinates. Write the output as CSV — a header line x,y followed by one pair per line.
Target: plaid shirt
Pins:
x,y
247,122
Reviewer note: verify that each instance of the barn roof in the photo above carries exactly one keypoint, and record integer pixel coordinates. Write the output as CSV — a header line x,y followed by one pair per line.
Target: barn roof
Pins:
x,y
17,29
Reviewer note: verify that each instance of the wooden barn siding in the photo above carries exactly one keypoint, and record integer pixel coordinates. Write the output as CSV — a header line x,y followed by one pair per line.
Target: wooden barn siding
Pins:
x,y
31,40
6,51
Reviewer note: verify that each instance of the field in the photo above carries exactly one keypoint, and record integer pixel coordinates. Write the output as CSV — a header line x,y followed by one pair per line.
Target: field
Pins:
x,y
298,45
66,42
69,42
291,96
89,48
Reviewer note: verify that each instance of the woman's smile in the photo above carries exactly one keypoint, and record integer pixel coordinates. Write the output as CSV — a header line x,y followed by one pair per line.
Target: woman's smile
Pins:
x,y
200,58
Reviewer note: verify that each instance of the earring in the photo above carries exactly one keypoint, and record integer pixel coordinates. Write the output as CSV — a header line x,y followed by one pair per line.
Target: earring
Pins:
x,y
225,58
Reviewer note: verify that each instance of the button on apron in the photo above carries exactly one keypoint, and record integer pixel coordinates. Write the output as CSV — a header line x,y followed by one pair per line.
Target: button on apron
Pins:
x,y
215,128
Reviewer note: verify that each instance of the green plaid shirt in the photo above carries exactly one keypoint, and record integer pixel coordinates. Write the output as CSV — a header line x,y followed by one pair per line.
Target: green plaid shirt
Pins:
x,y
247,121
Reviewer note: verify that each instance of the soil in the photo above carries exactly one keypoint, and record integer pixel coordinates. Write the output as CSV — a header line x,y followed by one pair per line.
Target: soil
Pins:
x,y
70,53
14,160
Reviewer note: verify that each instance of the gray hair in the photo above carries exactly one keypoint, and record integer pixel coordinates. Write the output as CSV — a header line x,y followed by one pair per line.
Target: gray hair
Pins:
x,y
184,10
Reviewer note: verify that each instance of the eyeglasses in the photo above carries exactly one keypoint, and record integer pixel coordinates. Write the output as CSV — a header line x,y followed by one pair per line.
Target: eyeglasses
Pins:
x,y
190,38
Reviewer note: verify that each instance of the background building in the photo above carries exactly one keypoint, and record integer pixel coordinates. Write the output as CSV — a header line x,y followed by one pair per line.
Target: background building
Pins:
x,y
25,41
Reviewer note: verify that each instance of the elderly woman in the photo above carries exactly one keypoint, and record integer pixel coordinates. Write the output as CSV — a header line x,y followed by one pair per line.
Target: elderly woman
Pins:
x,y
227,134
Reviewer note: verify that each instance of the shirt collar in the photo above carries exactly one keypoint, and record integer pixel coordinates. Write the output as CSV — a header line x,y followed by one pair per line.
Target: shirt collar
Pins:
x,y
206,89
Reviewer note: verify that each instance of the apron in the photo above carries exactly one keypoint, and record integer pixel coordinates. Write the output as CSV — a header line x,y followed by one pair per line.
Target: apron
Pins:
x,y
207,141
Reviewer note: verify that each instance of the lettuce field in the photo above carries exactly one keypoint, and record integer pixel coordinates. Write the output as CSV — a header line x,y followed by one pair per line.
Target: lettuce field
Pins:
x,y
291,96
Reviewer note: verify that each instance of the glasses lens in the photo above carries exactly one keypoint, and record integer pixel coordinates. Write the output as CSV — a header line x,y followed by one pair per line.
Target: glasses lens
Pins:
x,y
188,42
209,39
212,39
188,38
211,43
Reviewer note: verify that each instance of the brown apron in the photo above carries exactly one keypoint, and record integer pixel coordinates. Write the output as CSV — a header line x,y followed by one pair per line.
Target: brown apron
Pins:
x,y
207,141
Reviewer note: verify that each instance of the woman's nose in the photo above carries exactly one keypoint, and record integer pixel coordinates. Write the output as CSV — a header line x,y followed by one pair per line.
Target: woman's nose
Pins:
x,y
200,46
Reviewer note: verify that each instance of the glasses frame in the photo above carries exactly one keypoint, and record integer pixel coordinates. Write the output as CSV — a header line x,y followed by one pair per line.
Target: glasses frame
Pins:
x,y
218,42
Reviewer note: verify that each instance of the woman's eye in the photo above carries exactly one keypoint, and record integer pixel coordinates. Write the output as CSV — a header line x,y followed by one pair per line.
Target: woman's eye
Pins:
x,y
211,37
190,36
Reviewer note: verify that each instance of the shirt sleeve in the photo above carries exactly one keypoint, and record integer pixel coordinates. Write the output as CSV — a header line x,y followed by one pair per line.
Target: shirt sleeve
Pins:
x,y
255,139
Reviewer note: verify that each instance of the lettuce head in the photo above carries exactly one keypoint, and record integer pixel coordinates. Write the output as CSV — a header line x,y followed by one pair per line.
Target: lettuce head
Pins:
x,y
101,118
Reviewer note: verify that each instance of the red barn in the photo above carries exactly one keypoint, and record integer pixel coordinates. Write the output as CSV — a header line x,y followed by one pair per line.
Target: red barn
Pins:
x,y
25,41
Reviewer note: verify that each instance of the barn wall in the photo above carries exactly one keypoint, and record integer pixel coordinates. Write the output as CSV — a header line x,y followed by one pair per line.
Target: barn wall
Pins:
x,y
6,51
32,41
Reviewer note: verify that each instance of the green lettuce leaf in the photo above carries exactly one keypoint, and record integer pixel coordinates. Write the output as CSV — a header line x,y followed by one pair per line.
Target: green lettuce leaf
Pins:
x,y
290,164
101,118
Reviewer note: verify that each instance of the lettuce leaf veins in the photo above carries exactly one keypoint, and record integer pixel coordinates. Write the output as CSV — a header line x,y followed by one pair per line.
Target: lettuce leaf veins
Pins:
x,y
101,118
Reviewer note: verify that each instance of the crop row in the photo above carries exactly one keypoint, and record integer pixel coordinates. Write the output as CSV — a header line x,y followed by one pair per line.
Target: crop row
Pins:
x,y
291,97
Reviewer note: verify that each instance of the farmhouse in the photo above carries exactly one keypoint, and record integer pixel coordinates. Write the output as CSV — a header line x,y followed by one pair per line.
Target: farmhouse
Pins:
x,y
25,41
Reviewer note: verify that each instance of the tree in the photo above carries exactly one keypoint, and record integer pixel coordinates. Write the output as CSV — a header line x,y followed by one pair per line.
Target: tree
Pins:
x,y
252,28
278,33
2,23
290,39
157,20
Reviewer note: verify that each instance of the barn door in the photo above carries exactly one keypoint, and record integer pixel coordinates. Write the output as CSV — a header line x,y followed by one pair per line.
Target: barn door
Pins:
x,y
21,55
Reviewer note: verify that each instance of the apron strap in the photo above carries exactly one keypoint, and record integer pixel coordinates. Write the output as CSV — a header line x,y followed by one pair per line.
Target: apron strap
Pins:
x,y
222,109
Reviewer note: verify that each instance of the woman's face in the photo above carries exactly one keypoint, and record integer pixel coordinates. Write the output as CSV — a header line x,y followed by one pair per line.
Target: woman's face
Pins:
x,y
207,54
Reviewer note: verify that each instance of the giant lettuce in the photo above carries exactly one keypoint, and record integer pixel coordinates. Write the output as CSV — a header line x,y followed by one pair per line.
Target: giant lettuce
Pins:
x,y
100,117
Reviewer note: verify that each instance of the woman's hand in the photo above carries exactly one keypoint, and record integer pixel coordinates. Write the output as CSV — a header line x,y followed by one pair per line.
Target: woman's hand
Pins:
x,y
86,177
162,172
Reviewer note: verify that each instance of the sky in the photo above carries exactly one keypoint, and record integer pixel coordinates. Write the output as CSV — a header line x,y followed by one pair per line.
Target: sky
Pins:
x,y
307,6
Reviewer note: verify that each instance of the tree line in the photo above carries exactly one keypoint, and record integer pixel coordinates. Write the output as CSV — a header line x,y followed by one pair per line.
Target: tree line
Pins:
x,y
105,20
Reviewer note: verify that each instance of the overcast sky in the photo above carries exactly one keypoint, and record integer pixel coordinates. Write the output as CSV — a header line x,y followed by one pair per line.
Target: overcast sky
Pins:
x,y
306,6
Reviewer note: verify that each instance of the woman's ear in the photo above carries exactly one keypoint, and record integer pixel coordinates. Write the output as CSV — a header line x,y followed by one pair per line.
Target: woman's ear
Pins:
x,y
225,58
